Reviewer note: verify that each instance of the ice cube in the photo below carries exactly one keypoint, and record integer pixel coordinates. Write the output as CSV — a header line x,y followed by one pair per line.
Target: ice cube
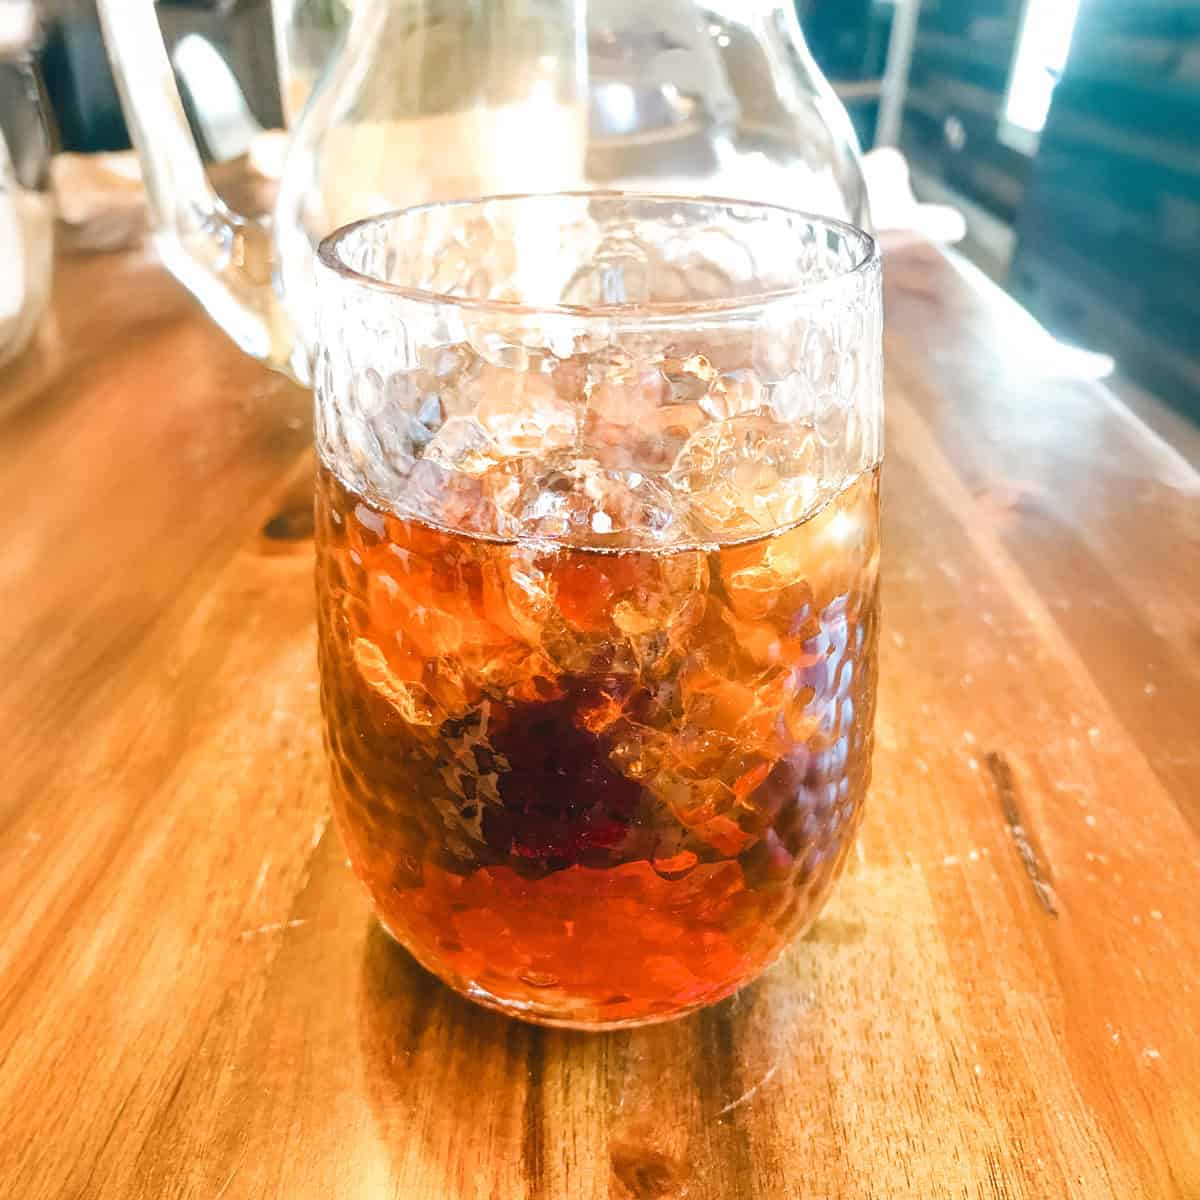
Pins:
x,y
410,699
463,445
539,608
768,579
620,403
451,374
749,475
460,501
659,617
690,378
704,807
582,503
523,413
733,394
836,550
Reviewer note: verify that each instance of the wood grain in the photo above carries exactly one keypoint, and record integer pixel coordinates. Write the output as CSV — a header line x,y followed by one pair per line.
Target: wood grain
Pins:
x,y
1002,999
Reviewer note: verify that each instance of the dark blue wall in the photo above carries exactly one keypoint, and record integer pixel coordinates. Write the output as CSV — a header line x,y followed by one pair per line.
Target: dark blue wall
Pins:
x,y
1108,251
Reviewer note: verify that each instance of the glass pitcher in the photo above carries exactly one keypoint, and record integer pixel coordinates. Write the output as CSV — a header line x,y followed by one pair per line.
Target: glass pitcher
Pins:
x,y
439,99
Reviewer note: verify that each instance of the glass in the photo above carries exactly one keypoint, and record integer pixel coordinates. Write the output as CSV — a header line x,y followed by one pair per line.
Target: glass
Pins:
x,y
597,553
427,100
307,34
26,206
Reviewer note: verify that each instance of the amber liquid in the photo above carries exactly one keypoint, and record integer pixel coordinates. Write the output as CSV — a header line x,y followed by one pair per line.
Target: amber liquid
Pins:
x,y
597,787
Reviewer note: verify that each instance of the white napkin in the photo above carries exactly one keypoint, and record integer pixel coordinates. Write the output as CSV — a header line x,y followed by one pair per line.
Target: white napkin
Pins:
x,y
18,24
100,199
897,214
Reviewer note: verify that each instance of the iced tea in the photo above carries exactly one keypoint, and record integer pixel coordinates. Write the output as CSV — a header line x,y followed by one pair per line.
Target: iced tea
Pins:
x,y
597,554
597,786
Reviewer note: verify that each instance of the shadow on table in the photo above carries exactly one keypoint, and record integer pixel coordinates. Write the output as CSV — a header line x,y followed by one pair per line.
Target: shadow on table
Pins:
x,y
469,1102
445,1080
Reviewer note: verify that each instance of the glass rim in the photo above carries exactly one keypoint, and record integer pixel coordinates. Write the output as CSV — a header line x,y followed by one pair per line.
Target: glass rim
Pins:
x,y
641,311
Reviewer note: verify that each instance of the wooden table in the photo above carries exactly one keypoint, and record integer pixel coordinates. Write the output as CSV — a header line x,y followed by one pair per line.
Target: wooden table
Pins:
x,y
1002,1000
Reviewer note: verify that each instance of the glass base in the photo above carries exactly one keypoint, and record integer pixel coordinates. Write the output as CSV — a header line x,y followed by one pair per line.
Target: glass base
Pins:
x,y
535,1014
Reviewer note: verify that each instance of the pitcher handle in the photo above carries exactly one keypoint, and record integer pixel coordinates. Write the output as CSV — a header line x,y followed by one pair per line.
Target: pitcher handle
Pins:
x,y
224,259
